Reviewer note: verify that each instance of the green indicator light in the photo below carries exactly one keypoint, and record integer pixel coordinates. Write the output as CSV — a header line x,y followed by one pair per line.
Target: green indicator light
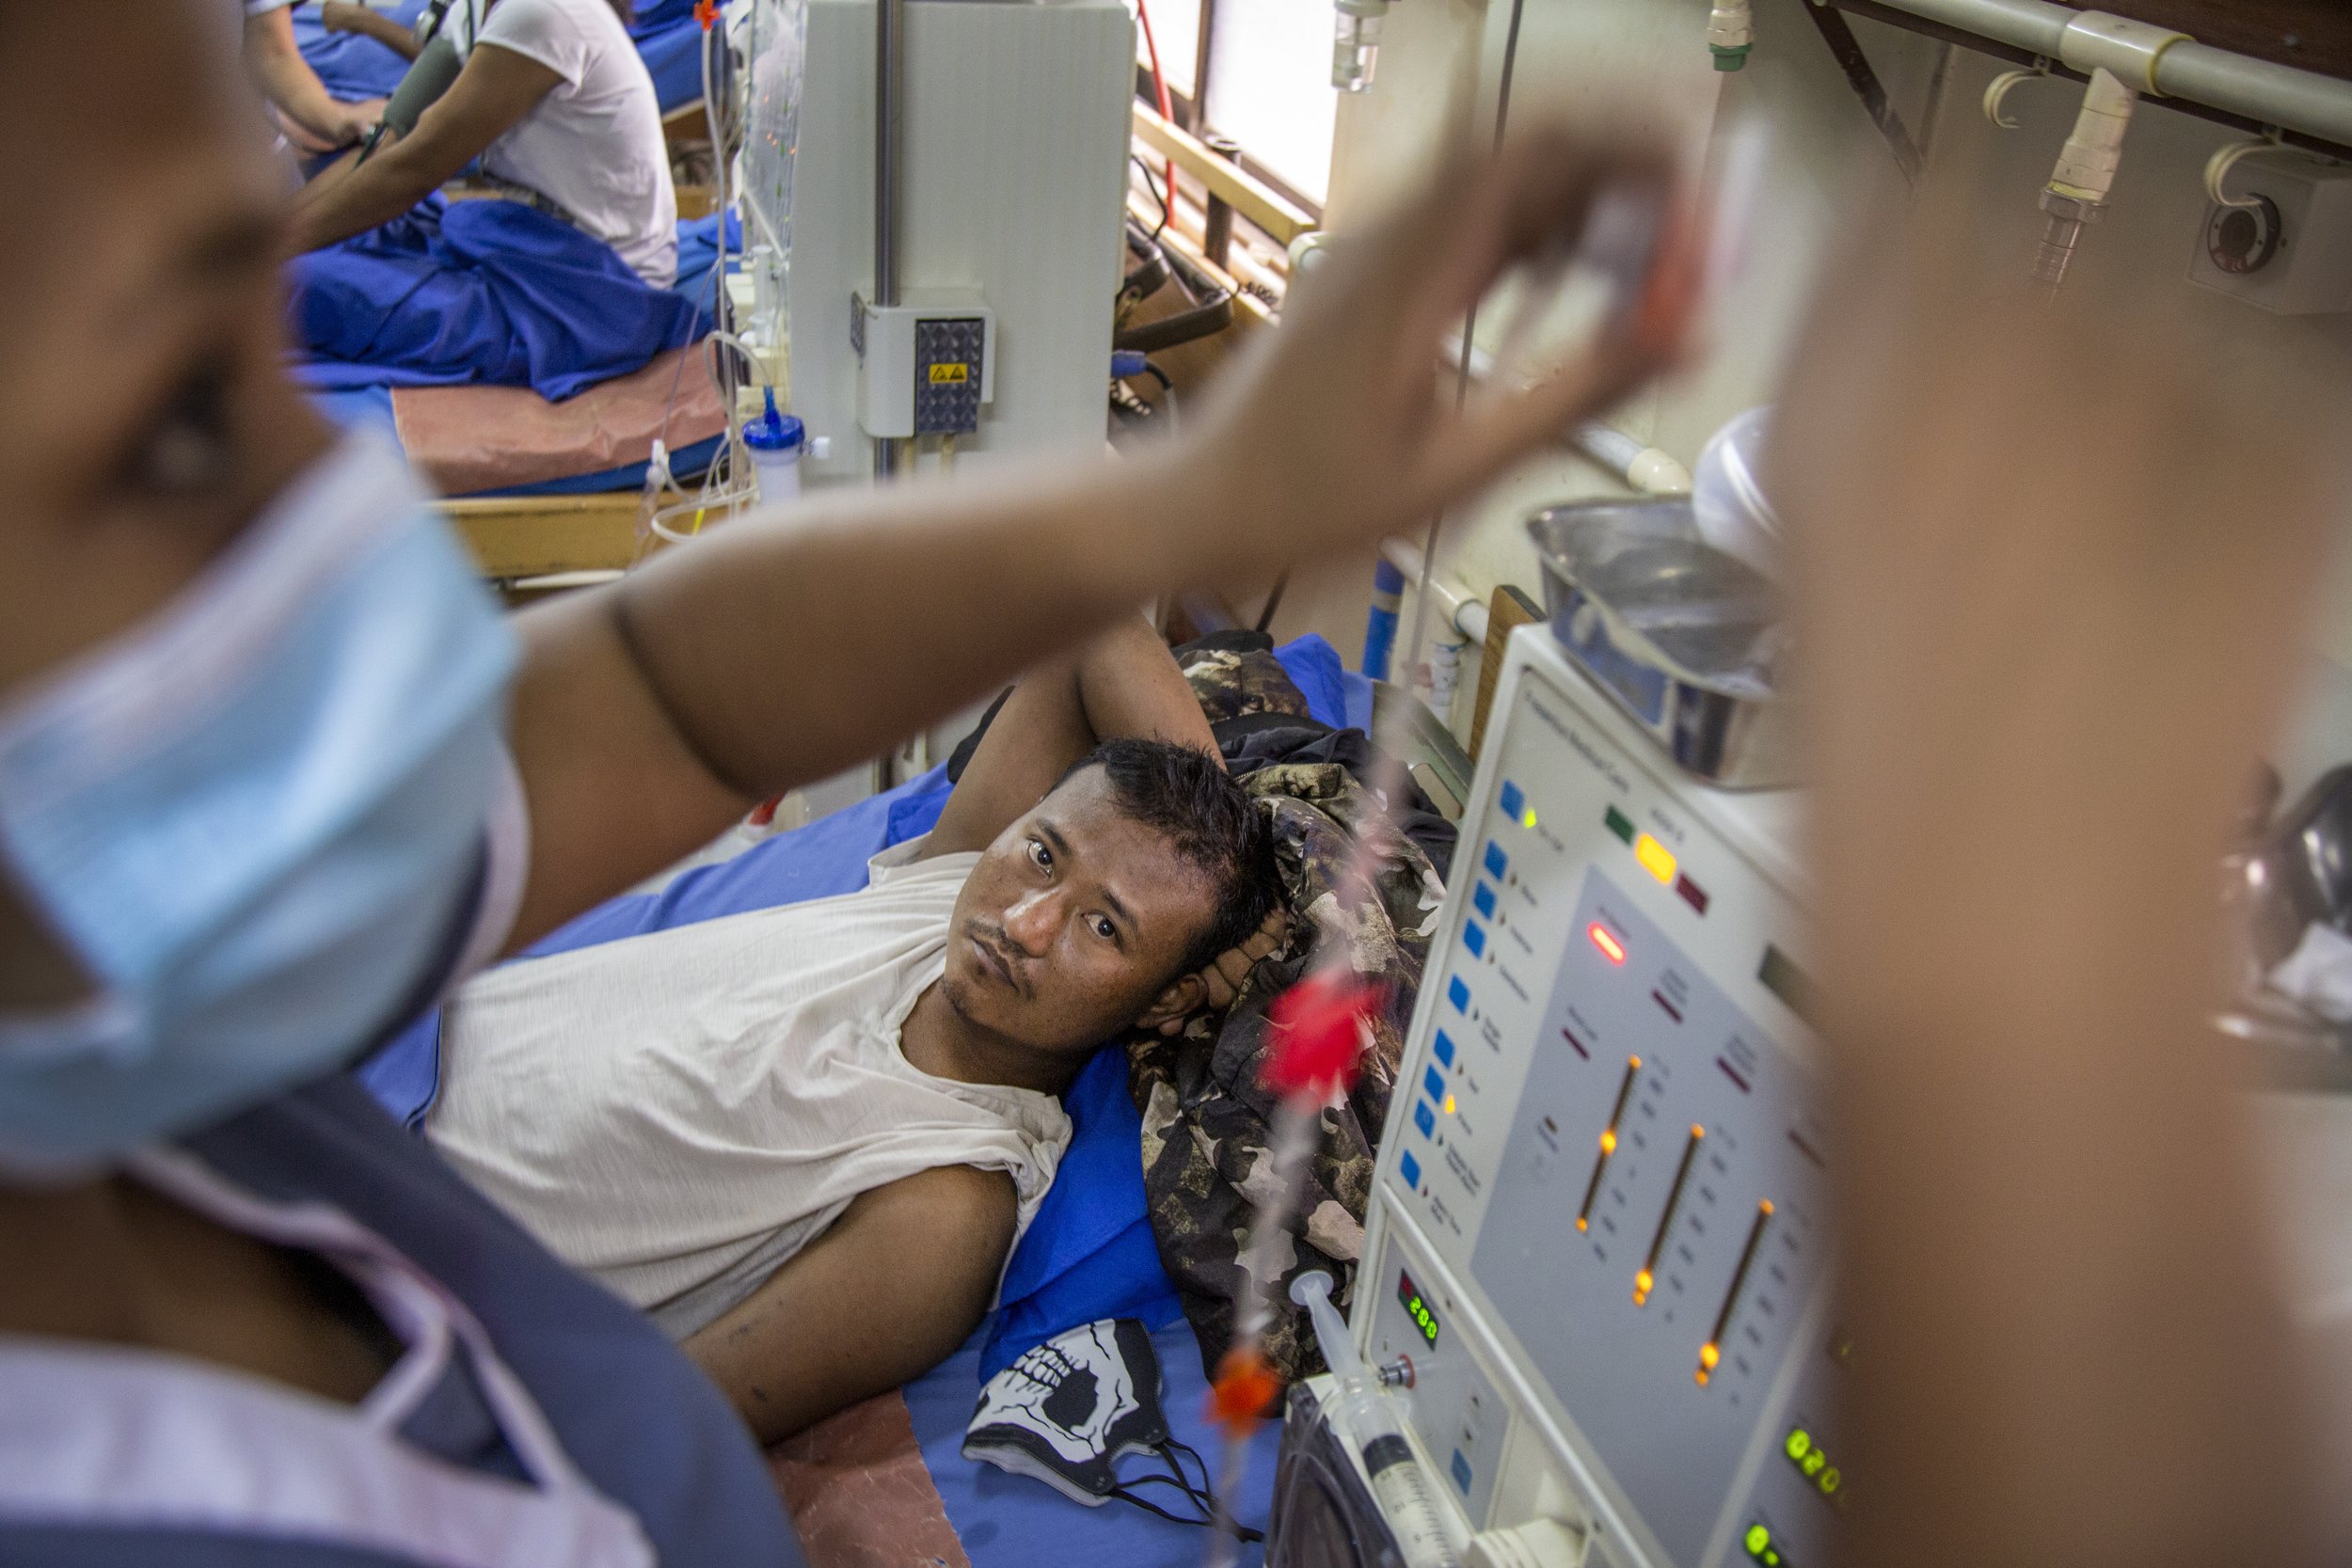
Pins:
x,y
1758,1538
1800,1444
1828,1480
1527,818
1620,824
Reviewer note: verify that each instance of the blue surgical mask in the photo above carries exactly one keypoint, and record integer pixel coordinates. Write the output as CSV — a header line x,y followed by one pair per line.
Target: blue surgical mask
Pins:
x,y
257,819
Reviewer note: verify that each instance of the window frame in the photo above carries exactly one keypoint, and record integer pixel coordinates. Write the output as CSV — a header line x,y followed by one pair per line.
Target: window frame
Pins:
x,y
1187,110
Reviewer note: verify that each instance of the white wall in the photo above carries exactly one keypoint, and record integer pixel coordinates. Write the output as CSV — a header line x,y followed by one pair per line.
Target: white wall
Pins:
x,y
1436,82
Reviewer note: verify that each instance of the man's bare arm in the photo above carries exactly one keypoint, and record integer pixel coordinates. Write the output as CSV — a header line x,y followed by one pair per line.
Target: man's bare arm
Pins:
x,y
294,89
886,1293
343,16
496,88
1124,684
2041,675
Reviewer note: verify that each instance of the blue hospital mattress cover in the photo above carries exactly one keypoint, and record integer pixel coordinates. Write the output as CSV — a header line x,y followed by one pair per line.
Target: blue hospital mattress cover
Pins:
x,y
1089,1253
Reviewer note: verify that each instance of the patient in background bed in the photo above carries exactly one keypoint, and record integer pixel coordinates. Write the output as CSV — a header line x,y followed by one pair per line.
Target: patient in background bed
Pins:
x,y
804,1139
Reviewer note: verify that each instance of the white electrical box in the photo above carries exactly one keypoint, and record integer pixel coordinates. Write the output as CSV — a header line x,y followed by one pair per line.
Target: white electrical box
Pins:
x,y
2291,253
1013,195
924,370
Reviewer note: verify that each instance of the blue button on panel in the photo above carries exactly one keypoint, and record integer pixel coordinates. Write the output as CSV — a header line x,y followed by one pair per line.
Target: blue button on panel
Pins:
x,y
1445,1047
1410,1168
1434,1082
1424,1118
1461,1472
1497,861
1474,938
1457,993
1513,802
1484,899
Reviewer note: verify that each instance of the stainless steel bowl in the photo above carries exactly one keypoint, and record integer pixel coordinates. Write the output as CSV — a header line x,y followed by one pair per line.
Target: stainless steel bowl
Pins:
x,y
1685,637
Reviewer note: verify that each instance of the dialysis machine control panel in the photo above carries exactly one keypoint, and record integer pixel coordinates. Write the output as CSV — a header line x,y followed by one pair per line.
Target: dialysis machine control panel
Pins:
x,y
1598,1228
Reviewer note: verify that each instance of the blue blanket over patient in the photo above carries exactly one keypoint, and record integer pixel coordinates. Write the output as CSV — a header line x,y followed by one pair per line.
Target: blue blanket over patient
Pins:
x,y
670,42
1089,1253
458,292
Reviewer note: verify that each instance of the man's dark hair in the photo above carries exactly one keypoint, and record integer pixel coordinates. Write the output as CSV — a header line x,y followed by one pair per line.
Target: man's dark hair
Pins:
x,y
1213,822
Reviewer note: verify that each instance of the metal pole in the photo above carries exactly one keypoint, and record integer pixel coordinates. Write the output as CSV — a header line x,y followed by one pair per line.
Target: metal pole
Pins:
x,y
889,76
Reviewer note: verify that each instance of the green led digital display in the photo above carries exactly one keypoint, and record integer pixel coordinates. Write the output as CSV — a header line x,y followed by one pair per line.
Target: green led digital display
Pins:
x,y
1813,1461
1416,1308
1760,1548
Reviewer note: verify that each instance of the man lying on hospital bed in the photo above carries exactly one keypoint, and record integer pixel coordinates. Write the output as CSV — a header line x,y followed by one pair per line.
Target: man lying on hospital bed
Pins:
x,y
804,1139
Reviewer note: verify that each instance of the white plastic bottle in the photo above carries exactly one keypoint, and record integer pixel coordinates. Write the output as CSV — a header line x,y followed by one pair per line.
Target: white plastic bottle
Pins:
x,y
775,441
1365,1416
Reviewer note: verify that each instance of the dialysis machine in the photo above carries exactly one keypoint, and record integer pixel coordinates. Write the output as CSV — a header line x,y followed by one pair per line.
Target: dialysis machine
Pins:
x,y
1596,1266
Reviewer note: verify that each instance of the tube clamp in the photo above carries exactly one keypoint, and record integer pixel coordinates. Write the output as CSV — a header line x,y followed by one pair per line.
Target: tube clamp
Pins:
x,y
2096,40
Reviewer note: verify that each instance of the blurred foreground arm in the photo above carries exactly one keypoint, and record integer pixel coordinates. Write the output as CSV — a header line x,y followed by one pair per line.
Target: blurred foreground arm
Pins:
x,y
780,650
2054,567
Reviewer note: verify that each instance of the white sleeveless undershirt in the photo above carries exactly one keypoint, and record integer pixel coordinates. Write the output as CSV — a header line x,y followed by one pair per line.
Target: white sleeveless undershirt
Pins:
x,y
678,1113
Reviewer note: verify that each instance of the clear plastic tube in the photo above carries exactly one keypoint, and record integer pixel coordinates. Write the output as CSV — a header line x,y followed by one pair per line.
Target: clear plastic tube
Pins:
x,y
1366,1417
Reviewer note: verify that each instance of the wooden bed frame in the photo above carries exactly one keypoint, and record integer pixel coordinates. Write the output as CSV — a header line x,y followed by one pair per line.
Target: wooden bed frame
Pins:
x,y
529,536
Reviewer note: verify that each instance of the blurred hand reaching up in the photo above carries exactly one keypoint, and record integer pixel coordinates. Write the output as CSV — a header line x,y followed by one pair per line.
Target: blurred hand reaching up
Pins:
x,y
1331,430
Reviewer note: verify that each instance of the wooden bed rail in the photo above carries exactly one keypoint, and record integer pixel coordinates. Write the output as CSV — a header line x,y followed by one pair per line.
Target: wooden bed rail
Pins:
x,y
529,536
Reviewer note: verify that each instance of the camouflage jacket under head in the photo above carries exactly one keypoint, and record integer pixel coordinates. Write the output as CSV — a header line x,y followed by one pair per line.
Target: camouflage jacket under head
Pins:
x,y
1206,1119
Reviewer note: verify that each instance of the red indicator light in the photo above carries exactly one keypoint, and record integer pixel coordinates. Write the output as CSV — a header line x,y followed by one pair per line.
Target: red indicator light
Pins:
x,y
1606,940
1693,894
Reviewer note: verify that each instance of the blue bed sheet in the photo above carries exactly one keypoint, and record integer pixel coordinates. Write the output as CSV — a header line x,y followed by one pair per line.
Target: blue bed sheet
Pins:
x,y
670,42
1089,1252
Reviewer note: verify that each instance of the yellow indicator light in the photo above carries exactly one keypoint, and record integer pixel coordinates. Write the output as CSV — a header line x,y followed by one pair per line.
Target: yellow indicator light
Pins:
x,y
1709,1358
1609,1140
1449,1104
1701,1376
1641,1283
1581,1223
1526,817
1656,858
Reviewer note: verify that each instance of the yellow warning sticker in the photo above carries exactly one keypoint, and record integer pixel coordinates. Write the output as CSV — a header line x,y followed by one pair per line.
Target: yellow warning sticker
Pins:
x,y
943,374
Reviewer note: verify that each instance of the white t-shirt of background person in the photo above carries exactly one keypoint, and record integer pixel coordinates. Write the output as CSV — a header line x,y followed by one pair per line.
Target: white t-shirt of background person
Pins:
x,y
679,1113
594,143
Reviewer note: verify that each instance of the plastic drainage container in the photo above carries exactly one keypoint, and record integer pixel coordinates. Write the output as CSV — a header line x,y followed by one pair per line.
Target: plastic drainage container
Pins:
x,y
775,441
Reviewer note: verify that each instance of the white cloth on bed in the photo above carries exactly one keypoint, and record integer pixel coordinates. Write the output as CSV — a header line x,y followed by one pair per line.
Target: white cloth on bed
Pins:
x,y
594,143
679,1113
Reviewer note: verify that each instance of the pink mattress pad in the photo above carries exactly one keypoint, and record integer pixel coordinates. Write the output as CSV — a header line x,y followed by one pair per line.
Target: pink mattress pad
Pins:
x,y
466,440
